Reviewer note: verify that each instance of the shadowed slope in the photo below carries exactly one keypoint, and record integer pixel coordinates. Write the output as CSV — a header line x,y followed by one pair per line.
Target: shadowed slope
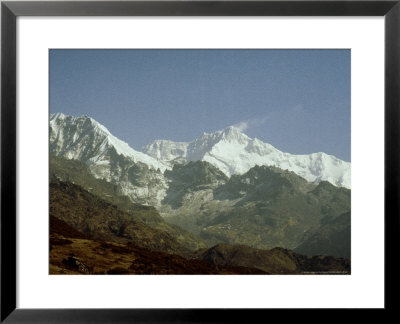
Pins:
x,y
274,261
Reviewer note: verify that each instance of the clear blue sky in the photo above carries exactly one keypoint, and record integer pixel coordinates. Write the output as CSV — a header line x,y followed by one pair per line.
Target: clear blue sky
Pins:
x,y
296,100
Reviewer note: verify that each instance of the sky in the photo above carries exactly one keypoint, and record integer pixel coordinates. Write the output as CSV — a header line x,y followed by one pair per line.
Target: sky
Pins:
x,y
295,100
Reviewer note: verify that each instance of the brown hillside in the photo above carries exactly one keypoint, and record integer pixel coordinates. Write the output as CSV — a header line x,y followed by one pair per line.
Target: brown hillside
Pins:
x,y
72,255
274,261
98,219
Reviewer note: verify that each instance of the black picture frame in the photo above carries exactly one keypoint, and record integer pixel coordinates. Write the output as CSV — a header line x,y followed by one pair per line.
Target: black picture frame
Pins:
x,y
10,10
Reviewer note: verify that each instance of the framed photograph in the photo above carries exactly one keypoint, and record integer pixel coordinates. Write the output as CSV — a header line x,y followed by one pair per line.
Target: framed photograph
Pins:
x,y
197,160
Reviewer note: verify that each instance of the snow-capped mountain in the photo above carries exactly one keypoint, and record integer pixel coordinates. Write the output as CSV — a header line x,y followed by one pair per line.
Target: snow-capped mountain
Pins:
x,y
137,174
68,135
233,152
230,150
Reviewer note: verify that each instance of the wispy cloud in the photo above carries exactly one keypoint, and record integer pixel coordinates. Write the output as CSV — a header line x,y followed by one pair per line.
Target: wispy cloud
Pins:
x,y
251,123
242,126
276,114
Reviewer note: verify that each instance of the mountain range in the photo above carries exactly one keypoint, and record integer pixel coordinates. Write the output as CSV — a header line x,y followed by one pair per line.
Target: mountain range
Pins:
x,y
229,150
222,187
233,152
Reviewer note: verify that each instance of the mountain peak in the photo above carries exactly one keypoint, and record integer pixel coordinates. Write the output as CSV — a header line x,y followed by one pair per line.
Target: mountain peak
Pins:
x,y
84,121
85,139
231,134
232,130
58,115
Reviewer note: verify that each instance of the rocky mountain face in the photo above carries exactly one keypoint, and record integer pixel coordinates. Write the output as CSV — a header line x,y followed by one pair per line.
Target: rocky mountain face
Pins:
x,y
264,208
185,180
224,187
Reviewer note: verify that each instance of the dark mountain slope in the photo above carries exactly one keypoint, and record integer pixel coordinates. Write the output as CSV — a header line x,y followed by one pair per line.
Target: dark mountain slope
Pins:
x,y
98,219
274,261
333,238
71,252
264,208
334,201
59,227
77,172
